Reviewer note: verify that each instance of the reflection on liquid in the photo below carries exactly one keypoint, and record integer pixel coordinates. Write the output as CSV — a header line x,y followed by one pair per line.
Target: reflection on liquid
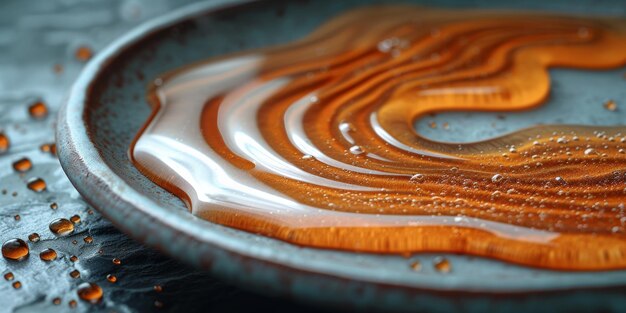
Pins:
x,y
313,142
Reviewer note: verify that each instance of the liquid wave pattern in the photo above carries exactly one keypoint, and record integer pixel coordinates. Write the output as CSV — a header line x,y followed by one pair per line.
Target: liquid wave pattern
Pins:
x,y
313,143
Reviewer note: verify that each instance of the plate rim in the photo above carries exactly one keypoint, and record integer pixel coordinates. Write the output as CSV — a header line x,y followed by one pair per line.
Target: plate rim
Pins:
x,y
118,201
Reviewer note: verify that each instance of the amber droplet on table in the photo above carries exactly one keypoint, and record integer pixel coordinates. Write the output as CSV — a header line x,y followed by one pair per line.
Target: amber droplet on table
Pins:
x,y
48,255
442,265
38,110
37,185
83,53
90,292
88,239
416,266
17,285
111,278
9,276
34,237
72,303
117,261
56,301
74,258
158,288
75,274
315,141
49,148
15,249
22,165
75,219
610,105
4,143
61,227
54,205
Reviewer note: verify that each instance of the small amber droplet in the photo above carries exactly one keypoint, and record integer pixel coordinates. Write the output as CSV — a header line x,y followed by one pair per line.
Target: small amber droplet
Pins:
x,y
75,219
22,165
88,239
17,285
49,148
54,206
38,110
158,304
48,255
112,278
83,53
9,276
158,288
89,292
17,217
117,261
443,265
56,301
61,227
416,266
75,274
72,303
34,237
37,185
610,105
15,249
4,143
73,258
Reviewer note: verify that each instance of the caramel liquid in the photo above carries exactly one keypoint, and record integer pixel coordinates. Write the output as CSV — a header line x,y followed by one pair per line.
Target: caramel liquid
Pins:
x,y
313,142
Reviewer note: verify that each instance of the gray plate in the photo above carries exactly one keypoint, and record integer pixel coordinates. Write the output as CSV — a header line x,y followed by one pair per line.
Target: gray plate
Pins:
x,y
107,107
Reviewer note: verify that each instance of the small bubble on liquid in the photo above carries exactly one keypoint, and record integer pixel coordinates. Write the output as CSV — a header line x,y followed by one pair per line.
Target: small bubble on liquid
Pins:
x,y
15,249
75,274
416,266
590,151
307,157
89,292
9,276
497,178
38,110
83,53
610,105
22,165
111,278
417,178
37,185
61,227
34,237
356,150
17,285
48,255
442,265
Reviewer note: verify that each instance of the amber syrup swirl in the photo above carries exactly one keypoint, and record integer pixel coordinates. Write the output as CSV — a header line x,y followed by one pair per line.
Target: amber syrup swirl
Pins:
x,y
314,143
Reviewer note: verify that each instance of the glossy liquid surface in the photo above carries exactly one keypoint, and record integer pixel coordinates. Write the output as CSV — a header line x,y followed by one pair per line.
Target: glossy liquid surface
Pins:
x,y
313,142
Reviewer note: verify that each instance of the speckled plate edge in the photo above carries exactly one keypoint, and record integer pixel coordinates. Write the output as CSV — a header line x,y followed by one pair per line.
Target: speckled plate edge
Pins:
x,y
254,265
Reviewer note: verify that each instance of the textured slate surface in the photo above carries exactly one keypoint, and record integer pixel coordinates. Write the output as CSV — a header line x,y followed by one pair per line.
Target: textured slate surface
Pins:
x,y
37,37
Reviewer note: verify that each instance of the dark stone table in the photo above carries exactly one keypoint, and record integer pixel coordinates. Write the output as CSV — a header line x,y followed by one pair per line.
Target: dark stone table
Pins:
x,y
39,41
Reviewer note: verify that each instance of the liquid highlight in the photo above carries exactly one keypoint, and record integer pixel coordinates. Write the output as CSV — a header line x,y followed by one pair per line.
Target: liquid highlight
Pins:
x,y
313,142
